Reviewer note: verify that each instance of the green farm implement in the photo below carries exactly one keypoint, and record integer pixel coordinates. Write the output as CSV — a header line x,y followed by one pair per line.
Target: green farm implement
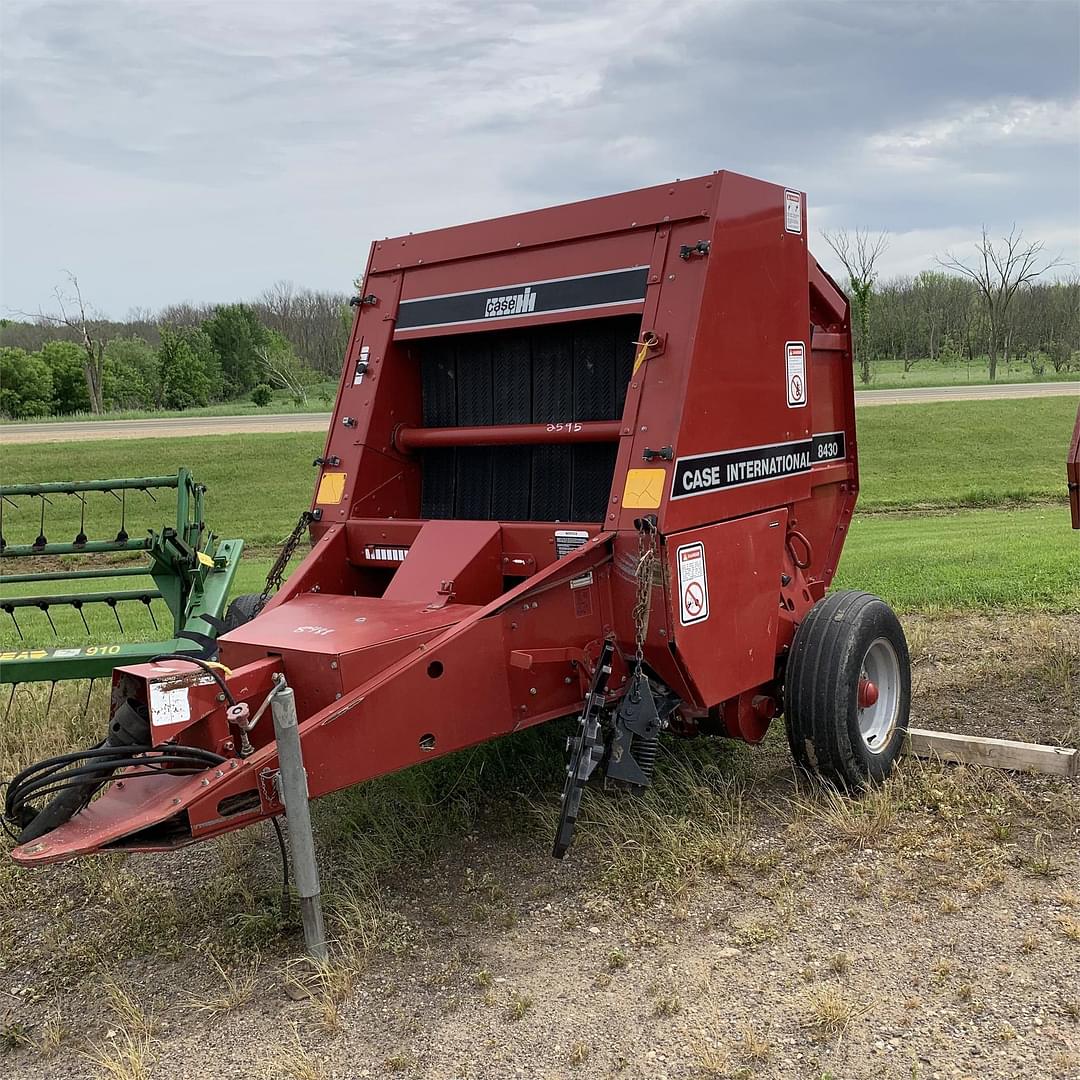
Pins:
x,y
178,577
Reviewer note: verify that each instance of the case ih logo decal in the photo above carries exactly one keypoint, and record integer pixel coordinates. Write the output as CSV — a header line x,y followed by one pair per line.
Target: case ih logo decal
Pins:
x,y
605,289
703,473
521,303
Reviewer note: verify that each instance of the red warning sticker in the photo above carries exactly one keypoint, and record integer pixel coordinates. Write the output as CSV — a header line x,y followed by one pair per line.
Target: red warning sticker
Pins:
x,y
693,583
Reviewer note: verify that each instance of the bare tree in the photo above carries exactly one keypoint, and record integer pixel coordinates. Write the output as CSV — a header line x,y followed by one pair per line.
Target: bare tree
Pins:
x,y
279,372
1000,271
90,333
859,253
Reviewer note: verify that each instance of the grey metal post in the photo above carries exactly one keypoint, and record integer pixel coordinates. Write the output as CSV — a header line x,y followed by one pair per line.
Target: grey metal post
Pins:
x,y
292,781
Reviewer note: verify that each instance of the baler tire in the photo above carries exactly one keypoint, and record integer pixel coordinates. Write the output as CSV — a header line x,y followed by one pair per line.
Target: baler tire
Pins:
x,y
829,734
242,610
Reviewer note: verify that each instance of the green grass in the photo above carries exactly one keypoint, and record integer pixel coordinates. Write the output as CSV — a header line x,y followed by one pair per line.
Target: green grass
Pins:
x,y
964,453
257,484
890,374
1025,559
320,400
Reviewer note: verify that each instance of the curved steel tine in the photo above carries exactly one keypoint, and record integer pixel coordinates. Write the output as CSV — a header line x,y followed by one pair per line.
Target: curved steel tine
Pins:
x,y
11,698
48,704
150,610
89,691
48,615
18,628
78,606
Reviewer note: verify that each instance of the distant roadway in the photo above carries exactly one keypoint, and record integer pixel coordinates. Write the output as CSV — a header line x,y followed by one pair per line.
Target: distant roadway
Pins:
x,y
166,427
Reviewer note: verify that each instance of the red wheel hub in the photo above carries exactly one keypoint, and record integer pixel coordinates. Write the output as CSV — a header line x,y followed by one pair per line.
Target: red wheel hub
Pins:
x,y
868,693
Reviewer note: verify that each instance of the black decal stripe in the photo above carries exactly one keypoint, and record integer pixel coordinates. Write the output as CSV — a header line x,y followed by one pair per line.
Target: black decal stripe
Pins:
x,y
830,446
564,294
702,474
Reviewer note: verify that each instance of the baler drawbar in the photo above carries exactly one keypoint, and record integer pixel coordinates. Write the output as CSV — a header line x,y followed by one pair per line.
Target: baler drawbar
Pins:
x,y
595,460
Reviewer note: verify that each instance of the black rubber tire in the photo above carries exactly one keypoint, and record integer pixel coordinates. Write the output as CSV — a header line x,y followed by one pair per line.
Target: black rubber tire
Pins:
x,y
241,610
822,689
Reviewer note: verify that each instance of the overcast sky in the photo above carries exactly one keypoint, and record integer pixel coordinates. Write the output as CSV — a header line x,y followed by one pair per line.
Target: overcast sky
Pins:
x,y
171,150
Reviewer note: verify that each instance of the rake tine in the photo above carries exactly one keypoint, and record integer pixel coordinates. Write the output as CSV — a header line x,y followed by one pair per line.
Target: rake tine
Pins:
x,y
78,606
11,698
81,537
112,603
89,691
18,628
48,615
150,610
48,704
122,535
41,541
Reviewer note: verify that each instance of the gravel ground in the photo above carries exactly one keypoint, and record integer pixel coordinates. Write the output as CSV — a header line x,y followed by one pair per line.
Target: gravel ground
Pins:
x,y
932,930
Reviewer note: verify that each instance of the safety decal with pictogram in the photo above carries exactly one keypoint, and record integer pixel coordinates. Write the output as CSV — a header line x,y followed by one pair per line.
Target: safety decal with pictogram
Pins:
x,y
693,583
795,356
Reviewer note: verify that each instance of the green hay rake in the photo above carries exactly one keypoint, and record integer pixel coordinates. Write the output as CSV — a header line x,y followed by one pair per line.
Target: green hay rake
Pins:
x,y
189,571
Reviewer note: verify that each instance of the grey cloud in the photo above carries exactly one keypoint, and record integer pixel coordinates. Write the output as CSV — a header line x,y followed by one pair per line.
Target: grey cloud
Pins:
x,y
282,137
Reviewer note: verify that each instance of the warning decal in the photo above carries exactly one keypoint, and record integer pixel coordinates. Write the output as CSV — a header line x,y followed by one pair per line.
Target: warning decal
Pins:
x,y
693,583
793,211
795,356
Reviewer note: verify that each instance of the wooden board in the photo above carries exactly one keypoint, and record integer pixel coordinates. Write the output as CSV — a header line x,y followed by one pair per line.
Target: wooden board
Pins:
x,y
996,753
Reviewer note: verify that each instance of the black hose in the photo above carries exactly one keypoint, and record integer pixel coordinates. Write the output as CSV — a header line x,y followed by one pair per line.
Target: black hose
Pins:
x,y
286,893
199,662
69,781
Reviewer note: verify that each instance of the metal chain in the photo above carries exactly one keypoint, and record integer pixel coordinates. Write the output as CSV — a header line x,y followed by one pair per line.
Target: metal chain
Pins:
x,y
644,572
276,573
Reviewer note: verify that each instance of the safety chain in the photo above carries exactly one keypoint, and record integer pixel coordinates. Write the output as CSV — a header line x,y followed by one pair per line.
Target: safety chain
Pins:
x,y
276,573
643,574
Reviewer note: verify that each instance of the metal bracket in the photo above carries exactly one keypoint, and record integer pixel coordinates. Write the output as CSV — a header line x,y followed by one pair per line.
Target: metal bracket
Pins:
x,y
665,453
269,790
331,461
700,248
357,301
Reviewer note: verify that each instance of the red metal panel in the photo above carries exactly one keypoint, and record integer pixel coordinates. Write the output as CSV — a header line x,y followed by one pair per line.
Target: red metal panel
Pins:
x,y
734,648
561,225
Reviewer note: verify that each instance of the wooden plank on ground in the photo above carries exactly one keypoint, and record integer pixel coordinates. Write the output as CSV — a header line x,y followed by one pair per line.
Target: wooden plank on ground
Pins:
x,y
996,753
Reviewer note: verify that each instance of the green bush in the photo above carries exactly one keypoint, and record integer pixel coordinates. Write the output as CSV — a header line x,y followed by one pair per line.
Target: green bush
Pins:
x,y
238,338
26,387
190,373
132,377
261,394
67,363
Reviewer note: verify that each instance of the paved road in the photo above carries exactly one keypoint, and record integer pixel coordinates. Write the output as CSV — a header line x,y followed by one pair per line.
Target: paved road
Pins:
x,y
230,425
966,393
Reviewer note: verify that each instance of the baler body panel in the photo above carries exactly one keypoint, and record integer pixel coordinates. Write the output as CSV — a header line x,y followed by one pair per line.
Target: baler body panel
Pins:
x,y
525,405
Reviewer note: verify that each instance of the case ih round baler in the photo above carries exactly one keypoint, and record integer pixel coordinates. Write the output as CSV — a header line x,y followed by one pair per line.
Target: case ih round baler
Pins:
x,y
598,459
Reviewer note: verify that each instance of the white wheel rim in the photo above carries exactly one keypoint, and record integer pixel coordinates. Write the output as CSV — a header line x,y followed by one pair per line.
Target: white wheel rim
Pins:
x,y
881,666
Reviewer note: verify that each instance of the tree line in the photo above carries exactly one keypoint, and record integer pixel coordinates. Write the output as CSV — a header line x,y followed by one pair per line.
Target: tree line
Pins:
x,y
69,360
987,309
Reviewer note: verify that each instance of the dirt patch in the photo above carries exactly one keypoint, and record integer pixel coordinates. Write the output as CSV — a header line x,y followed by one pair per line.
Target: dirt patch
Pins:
x,y
1008,677
731,924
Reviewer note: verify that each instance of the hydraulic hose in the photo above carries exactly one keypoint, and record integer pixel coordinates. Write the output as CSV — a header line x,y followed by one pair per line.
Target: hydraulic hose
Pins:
x,y
72,785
